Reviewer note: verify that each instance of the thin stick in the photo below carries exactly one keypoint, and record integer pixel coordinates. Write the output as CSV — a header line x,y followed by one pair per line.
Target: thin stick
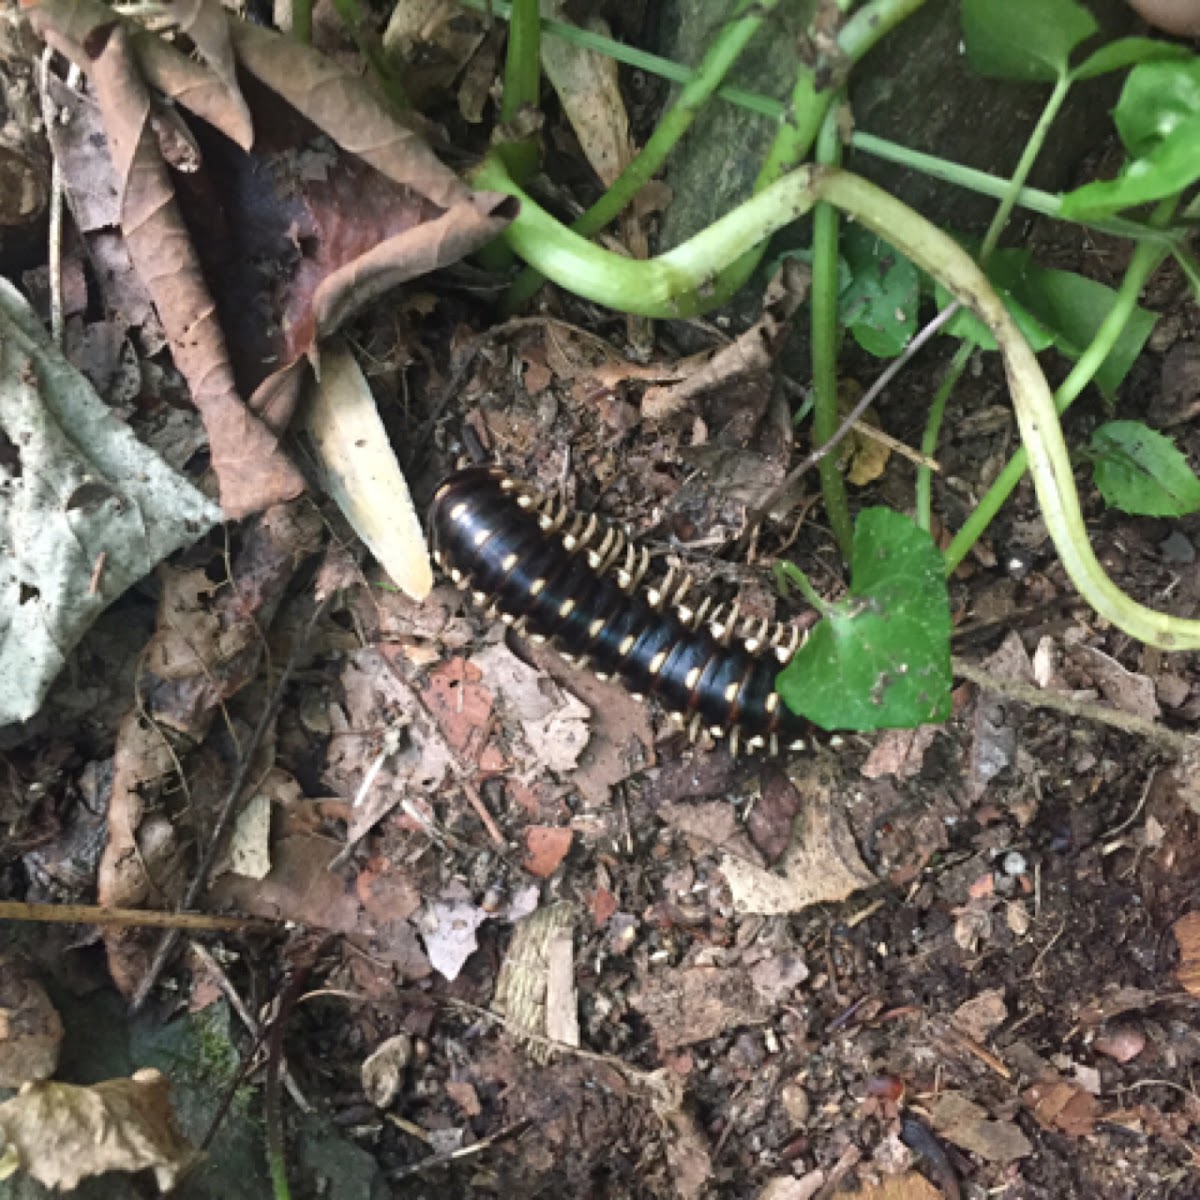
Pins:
x,y
868,398
95,914
228,809
1179,744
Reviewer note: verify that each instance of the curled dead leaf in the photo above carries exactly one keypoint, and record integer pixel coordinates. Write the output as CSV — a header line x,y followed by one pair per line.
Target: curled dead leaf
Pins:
x,y
61,1134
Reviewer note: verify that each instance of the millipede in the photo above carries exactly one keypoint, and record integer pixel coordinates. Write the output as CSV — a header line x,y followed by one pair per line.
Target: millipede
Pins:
x,y
579,582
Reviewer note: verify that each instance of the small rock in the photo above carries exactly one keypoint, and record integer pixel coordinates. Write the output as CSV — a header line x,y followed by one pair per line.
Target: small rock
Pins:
x,y
795,1103
1178,548
383,1072
1123,1043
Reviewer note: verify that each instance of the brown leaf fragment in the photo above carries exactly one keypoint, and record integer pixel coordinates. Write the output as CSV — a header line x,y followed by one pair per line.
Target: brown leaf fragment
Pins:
x,y
251,467
545,848
31,1030
383,1070
62,1134
433,244
821,865
302,888
899,753
204,21
1187,938
344,107
685,1005
964,1123
1063,1106
982,1015
69,25
910,1186
1122,1043
588,86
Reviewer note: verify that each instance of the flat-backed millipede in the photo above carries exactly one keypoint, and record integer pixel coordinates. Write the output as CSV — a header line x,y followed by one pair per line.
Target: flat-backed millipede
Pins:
x,y
579,581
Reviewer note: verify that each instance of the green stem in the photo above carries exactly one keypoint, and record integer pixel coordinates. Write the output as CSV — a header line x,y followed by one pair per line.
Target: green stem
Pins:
x,y
302,21
937,411
1049,461
722,53
933,428
823,306
1142,265
522,85
675,284
800,124
1033,147
787,574
1033,199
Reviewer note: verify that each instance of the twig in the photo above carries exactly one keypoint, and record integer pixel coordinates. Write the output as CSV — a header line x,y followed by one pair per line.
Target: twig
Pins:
x,y
228,808
1180,744
453,1156
982,1053
95,914
852,418
253,1027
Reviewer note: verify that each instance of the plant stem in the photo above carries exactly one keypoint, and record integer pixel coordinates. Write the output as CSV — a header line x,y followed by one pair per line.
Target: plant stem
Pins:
x,y
522,85
302,21
933,428
678,283
1049,462
937,410
806,113
721,54
1033,147
1146,258
823,308
787,573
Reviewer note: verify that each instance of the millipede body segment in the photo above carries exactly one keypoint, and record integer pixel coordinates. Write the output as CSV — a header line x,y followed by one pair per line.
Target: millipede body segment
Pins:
x,y
579,581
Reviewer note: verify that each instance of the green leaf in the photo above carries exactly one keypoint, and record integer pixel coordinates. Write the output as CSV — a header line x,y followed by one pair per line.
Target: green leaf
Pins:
x,y
1140,471
1024,39
880,659
1128,52
879,306
1058,308
1158,118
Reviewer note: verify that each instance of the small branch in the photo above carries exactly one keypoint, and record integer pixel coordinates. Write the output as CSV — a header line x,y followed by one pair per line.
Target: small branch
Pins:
x,y
1179,744
133,918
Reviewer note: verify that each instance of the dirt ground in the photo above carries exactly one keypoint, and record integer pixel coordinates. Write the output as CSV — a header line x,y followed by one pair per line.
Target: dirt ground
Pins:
x,y
522,937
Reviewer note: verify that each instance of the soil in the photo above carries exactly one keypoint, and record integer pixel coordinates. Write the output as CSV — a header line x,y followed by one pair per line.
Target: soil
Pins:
x,y
989,991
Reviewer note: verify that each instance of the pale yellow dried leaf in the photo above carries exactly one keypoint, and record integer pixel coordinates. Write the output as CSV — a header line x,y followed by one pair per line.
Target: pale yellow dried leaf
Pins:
x,y
363,475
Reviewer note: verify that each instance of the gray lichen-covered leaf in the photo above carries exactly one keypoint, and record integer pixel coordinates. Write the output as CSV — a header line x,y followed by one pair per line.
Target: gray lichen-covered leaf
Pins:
x,y
85,508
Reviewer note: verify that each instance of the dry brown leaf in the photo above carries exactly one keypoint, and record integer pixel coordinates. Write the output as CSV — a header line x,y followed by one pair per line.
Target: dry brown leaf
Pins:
x,y
435,243
1187,937
911,1186
982,1015
685,1005
545,848
62,1134
589,89
251,467
302,887
964,1123
345,108
69,25
1062,1105
205,22
31,1031
899,753
821,866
